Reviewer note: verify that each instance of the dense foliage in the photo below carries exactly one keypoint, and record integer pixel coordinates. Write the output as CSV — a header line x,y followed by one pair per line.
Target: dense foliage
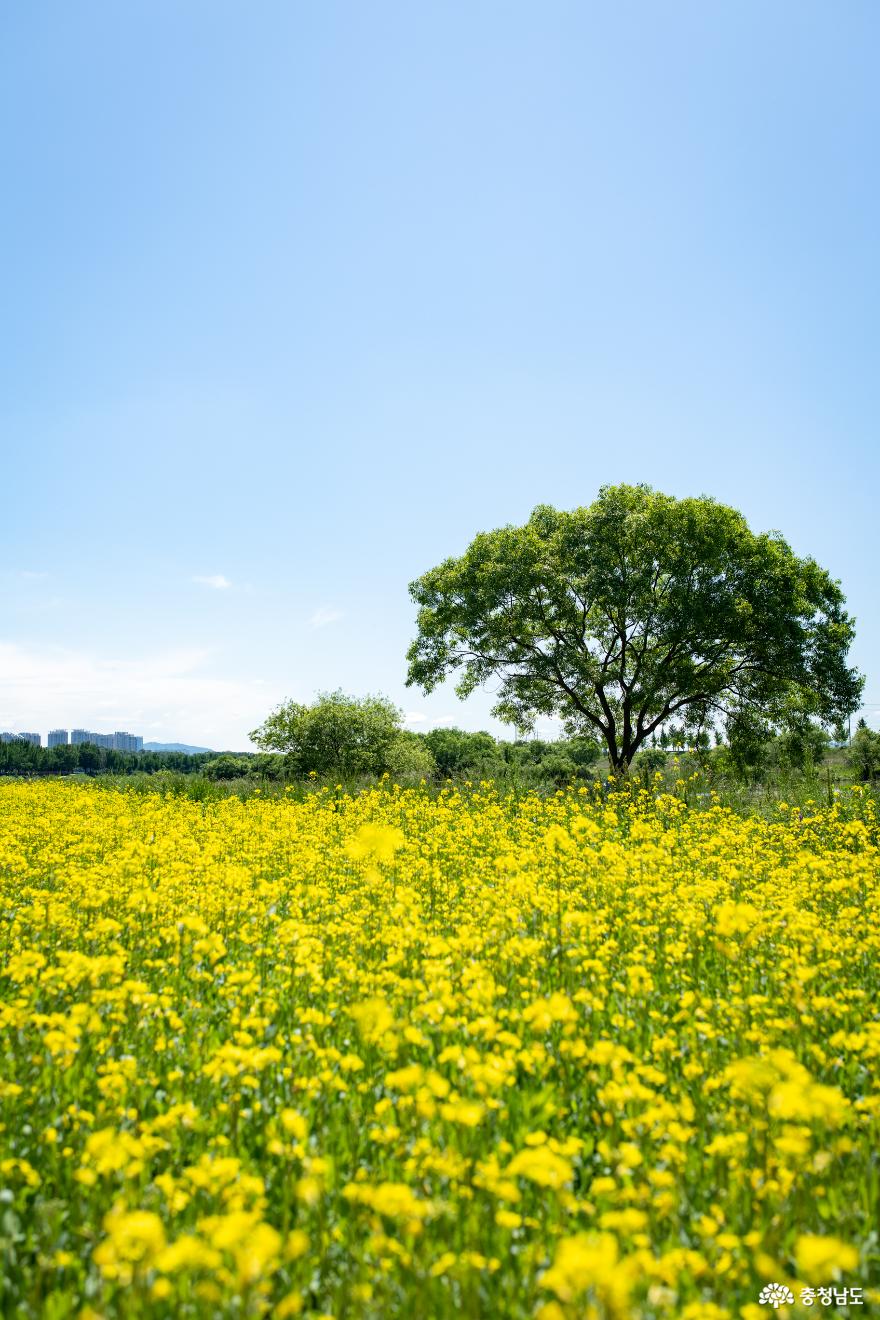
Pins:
x,y
337,734
21,758
638,609
800,761
439,1055
864,754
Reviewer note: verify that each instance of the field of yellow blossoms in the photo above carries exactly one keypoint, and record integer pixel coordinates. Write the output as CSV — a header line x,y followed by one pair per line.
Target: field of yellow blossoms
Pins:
x,y
402,1054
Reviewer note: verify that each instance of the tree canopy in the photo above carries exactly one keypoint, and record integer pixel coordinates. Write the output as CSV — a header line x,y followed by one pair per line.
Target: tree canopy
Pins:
x,y
618,616
338,734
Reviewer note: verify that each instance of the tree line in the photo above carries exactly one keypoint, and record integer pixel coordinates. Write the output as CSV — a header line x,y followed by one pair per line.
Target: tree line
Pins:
x,y
351,739
639,620
21,758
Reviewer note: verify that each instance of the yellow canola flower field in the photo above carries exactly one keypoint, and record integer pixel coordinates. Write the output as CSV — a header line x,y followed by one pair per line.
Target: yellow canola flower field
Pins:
x,y
409,1054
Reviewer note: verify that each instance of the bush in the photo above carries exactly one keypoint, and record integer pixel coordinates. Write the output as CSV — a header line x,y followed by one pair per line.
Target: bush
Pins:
x,y
458,752
800,748
268,765
651,760
338,734
409,759
864,753
226,767
559,768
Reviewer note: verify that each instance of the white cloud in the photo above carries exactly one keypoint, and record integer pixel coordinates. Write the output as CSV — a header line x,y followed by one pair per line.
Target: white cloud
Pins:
x,y
326,614
414,717
167,695
22,575
216,581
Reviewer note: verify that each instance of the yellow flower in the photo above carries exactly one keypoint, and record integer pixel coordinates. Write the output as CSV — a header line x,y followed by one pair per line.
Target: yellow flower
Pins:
x,y
443,1264
466,1112
134,1240
627,1221
563,1012
405,1079
258,1254
558,840
378,843
294,1124
542,1166
297,1244
21,1169
587,1261
823,1259
395,1200
543,1013
290,1305
188,1252
374,1018
732,919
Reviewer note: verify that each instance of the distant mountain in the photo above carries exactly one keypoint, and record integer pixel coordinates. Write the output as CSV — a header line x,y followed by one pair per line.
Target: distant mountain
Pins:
x,y
174,747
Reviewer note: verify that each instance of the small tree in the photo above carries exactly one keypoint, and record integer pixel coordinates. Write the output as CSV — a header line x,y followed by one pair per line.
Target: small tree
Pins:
x,y
409,759
458,751
802,747
840,734
641,607
338,734
864,752
268,765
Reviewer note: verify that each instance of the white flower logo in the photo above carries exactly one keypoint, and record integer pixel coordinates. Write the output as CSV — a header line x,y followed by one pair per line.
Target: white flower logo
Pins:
x,y
776,1294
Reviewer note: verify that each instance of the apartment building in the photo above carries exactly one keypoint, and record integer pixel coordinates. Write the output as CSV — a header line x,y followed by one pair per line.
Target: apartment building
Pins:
x,y
119,741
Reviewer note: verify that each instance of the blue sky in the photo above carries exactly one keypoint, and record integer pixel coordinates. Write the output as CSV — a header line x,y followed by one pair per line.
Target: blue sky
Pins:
x,y
297,298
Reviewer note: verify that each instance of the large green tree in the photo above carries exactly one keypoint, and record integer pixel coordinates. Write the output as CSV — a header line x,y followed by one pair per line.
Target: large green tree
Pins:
x,y
641,607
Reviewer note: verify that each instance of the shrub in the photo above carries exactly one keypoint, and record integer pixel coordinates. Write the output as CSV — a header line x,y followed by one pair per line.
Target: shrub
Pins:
x,y
409,759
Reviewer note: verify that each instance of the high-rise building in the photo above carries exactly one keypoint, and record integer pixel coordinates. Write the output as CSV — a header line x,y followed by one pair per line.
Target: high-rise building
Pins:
x,y
119,741
127,742
79,736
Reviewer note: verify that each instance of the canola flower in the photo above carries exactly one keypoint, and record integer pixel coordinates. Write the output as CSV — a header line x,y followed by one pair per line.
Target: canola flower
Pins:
x,y
456,1054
